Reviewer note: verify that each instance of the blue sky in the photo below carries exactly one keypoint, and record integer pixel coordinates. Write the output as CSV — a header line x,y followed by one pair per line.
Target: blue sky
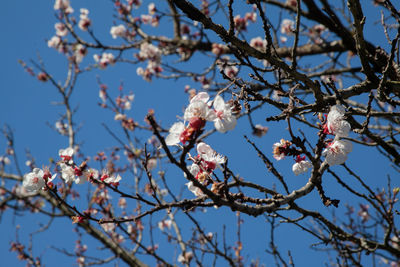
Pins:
x,y
27,106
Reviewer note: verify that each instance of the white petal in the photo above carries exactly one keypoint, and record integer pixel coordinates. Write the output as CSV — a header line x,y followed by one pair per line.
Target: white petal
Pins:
x,y
219,103
172,139
202,96
219,126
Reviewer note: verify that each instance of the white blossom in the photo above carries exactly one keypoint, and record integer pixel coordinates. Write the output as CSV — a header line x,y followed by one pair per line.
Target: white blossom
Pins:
x,y
5,160
34,181
54,42
336,152
259,44
61,29
105,59
67,173
194,189
336,124
66,154
185,257
224,120
118,31
164,223
173,138
84,21
287,27
301,167
63,5
112,179
208,154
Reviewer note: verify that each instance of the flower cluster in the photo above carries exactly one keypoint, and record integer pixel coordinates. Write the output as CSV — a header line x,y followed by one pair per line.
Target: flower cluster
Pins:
x,y
70,172
227,67
37,180
63,5
152,54
203,166
336,151
284,148
259,44
242,23
104,60
197,113
287,28
219,49
84,21
118,31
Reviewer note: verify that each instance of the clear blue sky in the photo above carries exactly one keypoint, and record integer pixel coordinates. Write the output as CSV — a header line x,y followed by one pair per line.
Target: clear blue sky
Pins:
x,y
26,105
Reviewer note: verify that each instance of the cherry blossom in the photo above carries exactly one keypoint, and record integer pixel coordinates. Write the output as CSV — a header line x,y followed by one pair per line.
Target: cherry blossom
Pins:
x,y
67,173
336,152
151,164
219,49
80,52
55,42
118,31
280,149
34,181
152,8
225,120
61,29
164,223
210,157
198,107
259,43
84,21
301,165
173,138
153,54
63,5
185,257
4,160
229,70
260,130
66,155
149,51
292,3
104,60
194,189
336,124
113,180
287,27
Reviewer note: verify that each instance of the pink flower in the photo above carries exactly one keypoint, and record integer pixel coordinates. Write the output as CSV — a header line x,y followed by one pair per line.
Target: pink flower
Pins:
x,y
336,152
